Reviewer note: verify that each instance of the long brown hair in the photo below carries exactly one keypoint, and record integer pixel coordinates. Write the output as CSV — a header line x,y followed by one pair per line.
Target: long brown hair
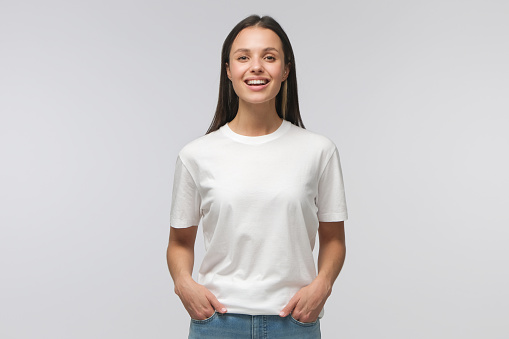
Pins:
x,y
287,100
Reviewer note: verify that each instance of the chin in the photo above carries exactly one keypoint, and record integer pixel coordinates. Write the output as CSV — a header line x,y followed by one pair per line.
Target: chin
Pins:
x,y
256,102
252,99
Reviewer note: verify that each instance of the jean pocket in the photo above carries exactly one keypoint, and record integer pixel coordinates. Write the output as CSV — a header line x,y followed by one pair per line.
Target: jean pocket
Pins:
x,y
204,321
300,323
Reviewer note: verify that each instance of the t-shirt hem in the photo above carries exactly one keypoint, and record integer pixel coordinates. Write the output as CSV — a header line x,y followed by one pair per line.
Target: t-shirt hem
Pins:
x,y
180,223
235,310
332,217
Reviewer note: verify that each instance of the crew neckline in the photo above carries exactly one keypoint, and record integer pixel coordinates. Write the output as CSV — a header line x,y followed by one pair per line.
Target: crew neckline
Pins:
x,y
259,139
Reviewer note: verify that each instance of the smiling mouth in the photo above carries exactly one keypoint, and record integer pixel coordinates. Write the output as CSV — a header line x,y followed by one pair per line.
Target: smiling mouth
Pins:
x,y
257,82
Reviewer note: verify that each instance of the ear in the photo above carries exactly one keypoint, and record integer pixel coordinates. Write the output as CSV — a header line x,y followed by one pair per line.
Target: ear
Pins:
x,y
286,71
228,73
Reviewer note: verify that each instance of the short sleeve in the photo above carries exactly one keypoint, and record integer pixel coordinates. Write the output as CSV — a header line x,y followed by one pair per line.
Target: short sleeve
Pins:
x,y
186,200
331,200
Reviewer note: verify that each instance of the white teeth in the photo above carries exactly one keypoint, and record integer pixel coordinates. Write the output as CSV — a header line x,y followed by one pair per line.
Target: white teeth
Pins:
x,y
256,82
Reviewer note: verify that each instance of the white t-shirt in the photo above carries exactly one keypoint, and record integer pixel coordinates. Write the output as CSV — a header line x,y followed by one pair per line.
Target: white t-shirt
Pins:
x,y
260,199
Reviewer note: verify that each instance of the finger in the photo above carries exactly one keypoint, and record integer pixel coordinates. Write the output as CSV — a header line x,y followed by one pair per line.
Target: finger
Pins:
x,y
290,306
216,304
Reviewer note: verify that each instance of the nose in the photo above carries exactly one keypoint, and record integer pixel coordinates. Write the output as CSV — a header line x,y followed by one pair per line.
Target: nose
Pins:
x,y
256,66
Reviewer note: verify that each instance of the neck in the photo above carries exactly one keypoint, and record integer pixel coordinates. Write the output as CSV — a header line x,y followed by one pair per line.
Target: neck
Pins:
x,y
256,119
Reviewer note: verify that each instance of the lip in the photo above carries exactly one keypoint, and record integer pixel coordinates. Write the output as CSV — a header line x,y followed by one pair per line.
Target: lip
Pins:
x,y
257,87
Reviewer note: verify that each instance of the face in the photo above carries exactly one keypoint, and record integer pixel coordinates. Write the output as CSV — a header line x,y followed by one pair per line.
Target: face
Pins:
x,y
256,68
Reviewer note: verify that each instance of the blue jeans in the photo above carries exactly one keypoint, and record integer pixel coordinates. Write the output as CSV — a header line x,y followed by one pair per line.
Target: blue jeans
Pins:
x,y
243,326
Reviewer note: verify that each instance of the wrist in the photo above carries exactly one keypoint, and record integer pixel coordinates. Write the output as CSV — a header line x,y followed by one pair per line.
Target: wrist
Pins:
x,y
182,281
325,283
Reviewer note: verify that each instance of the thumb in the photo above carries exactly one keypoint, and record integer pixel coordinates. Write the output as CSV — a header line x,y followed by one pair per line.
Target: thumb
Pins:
x,y
215,303
290,306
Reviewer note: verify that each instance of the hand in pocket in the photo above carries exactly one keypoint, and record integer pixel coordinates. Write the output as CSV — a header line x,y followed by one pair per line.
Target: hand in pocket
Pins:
x,y
199,302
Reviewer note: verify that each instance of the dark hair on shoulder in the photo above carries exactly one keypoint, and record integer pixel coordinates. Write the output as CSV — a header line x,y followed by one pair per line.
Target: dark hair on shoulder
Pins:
x,y
287,100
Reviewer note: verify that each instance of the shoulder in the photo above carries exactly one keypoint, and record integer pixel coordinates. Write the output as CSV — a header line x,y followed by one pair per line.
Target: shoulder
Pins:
x,y
316,140
198,147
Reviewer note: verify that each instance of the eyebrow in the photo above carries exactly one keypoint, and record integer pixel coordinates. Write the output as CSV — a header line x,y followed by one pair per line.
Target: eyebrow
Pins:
x,y
248,50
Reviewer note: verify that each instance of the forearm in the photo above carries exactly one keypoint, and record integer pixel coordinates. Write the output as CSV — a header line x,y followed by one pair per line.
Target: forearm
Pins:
x,y
180,260
199,302
331,257
309,300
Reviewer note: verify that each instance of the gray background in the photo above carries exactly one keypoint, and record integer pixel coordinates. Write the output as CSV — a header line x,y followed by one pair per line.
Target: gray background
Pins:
x,y
98,97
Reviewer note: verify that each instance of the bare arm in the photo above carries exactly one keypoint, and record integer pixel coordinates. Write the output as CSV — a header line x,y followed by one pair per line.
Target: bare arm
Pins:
x,y
307,303
199,302
180,253
331,255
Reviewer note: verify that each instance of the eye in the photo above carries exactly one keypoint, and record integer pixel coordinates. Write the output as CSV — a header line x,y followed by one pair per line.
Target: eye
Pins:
x,y
242,58
270,58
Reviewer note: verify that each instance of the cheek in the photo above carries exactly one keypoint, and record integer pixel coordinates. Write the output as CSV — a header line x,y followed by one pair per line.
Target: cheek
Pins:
x,y
236,78
237,71
236,74
277,71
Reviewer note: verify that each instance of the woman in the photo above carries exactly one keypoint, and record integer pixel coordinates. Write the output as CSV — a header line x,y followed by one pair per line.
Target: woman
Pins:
x,y
263,186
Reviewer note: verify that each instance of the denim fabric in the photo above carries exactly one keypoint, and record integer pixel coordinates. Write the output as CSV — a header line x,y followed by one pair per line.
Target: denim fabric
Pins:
x,y
243,326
